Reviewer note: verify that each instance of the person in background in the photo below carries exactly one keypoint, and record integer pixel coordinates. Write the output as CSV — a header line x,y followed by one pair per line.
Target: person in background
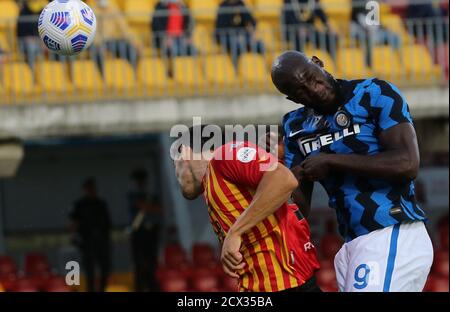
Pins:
x,y
113,34
145,213
171,28
30,45
298,20
235,28
367,36
435,24
91,227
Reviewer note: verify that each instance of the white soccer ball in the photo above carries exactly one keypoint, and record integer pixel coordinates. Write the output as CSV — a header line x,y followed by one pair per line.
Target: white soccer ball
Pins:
x,y
67,27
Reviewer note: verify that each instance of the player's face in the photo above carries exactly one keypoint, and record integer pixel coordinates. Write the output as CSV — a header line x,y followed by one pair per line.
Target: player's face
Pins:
x,y
313,87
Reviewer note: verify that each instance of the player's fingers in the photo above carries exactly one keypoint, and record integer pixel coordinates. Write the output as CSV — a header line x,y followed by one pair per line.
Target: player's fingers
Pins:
x,y
230,258
229,272
233,265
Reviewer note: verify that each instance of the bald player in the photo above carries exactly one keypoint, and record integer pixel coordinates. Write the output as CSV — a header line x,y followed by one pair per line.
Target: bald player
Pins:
x,y
356,137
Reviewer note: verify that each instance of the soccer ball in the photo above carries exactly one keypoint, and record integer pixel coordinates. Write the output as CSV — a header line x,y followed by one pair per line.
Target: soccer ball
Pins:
x,y
67,27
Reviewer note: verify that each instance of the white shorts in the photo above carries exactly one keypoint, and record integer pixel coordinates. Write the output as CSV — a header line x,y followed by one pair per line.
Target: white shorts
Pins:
x,y
396,258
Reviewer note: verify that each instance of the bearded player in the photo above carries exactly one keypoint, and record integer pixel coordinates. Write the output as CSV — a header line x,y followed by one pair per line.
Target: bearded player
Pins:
x,y
265,243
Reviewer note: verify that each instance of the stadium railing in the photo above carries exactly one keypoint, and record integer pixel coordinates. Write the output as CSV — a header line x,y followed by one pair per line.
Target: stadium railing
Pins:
x,y
416,54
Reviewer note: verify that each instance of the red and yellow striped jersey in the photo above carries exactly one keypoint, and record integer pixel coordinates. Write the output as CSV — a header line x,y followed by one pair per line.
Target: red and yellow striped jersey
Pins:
x,y
274,251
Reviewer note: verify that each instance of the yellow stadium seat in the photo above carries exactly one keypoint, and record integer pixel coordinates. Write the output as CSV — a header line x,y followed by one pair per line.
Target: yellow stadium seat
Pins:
x,y
268,9
52,77
204,10
3,42
203,40
386,64
18,79
219,70
419,65
325,58
266,32
117,288
394,23
188,74
351,63
119,75
252,70
139,11
86,76
152,75
337,9
9,10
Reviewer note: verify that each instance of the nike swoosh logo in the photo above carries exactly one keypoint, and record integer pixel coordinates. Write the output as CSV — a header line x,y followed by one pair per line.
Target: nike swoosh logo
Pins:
x,y
294,133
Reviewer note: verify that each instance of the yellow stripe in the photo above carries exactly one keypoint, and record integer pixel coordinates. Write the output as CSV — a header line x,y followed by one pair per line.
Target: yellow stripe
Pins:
x,y
276,263
222,196
215,206
244,203
263,266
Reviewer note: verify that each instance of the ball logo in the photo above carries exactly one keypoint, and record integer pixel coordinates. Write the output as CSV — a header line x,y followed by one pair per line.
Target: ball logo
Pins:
x,y
61,20
246,154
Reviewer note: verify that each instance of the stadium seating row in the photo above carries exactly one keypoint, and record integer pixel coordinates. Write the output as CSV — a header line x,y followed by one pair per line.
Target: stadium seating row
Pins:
x,y
211,74
36,276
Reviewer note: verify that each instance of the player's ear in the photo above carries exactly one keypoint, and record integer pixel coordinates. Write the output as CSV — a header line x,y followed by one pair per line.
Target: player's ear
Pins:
x,y
317,61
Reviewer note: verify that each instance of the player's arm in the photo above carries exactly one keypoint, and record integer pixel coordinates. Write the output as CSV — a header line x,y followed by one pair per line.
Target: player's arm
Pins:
x,y
399,157
273,190
303,193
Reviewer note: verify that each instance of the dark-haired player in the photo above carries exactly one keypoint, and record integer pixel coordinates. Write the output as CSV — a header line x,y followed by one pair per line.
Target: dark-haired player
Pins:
x,y
357,139
265,243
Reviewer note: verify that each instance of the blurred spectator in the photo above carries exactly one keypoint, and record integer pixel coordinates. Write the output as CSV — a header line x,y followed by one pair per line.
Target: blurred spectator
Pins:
x,y
91,226
235,28
298,20
145,227
30,45
434,25
171,28
113,34
369,35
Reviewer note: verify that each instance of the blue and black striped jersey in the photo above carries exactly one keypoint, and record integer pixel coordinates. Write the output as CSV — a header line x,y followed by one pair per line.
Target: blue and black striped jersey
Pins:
x,y
370,106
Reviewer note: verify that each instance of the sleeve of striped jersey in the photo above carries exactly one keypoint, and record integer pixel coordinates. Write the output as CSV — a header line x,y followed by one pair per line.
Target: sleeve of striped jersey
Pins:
x,y
390,107
248,173
292,155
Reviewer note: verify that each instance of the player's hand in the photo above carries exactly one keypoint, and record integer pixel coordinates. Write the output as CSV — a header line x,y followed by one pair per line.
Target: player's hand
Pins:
x,y
315,168
231,257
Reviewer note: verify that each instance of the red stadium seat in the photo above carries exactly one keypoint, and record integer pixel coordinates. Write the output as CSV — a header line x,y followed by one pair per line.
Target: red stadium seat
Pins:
x,y
436,284
164,272
7,266
330,245
25,285
56,284
203,254
174,284
36,264
205,283
8,282
326,276
440,265
229,284
330,242
174,256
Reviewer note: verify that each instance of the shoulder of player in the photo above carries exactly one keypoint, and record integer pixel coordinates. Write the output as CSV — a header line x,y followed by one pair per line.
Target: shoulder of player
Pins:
x,y
292,116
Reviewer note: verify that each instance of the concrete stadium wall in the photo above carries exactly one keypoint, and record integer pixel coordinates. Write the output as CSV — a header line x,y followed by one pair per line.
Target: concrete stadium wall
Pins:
x,y
32,122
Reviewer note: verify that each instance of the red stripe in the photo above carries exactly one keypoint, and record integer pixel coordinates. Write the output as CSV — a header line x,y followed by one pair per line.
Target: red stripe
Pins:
x,y
276,243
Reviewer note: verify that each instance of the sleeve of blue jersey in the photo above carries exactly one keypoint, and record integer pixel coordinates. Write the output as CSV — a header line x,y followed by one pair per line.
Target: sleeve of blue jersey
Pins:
x,y
388,105
292,155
